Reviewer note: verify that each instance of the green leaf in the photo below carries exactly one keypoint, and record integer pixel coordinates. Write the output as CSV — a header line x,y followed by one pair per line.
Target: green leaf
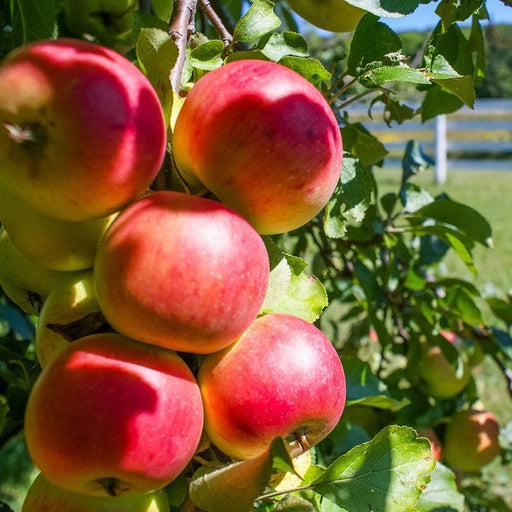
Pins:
x,y
311,69
371,43
292,503
207,56
156,54
501,308
33,20
234,488
162,8
360,143
441,494
384,74
280,45
414,160
460,302
463,88
387,8
463,217
350,199
414,197
290,290
438,101
386,474
259,20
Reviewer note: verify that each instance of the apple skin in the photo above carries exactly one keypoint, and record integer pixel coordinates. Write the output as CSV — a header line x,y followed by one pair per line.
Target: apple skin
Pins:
x,y
54,243
435,443
282,378
331,15
264,140
24,281
70,312
105,19
112,416
437,377
471,439
42,496
89,164
182,272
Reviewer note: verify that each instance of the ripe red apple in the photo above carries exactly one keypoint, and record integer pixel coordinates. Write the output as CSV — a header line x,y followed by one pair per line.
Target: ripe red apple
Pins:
x,y
112,416
282,378
471,439
264,140
181,271
332,15
43,496
82,131
24,281
54,243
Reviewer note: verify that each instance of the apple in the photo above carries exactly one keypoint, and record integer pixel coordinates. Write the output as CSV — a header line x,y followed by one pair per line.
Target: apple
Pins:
x,y
471,439
70,312
182,272
54,243
281,378
24,281
435,442
332,15
439,378
112,416
263,139
43,496
105,19
82,132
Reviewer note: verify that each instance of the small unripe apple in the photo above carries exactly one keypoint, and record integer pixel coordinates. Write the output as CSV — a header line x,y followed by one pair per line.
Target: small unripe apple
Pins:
x,y
182,272
54,243
24,281
264,140
70,312
281,378
82,132
105,19
43,496
112,416
332,15
471,439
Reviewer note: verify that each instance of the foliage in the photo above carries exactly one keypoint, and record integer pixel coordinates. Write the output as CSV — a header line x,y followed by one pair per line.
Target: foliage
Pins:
x,y
366,270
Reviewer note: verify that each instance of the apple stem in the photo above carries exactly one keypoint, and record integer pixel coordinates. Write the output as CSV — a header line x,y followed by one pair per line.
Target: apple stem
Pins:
x,y
30,136
113,486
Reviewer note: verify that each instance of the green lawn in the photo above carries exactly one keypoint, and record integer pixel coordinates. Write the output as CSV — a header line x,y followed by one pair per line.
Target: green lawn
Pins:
x,y
490,193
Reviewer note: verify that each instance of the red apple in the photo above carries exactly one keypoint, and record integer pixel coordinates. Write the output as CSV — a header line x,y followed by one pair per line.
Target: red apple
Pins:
x,y
112,416
282,378
82,131
264,140
182,272
42,496
435,442
471,439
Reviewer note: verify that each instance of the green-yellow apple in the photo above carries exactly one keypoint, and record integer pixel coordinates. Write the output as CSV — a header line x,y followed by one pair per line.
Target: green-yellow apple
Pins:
x,y
112,416
181,271
82,132
281,378
70,312
332,15
24,281
438,377
105,19
471,439
263,139
54,243
43,496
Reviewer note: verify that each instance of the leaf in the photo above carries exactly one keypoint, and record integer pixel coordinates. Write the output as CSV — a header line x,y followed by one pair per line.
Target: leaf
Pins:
x,y
234,488
463,217
460,302
157,53
290,290
350,199
280,45
207,56
414,197
292,503
501,308
387,8
438,101
441,494
386,474
361,144
311,69
259,20
371,43
384,74
33,20
414,160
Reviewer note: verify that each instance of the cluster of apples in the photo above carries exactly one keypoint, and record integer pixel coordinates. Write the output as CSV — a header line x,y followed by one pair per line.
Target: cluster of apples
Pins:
x,y
159,291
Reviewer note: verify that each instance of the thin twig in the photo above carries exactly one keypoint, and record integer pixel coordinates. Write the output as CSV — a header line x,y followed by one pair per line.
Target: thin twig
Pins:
x,y
180,26
215,20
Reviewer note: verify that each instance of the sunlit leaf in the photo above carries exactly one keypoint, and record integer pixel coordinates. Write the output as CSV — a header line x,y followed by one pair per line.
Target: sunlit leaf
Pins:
x,y
259,20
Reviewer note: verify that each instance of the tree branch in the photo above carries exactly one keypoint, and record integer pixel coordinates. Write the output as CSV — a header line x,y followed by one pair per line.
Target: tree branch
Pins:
x,y
180,26
216,21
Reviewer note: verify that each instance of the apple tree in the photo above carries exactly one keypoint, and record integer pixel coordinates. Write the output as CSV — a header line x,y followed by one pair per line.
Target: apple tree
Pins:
x,y
207,194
